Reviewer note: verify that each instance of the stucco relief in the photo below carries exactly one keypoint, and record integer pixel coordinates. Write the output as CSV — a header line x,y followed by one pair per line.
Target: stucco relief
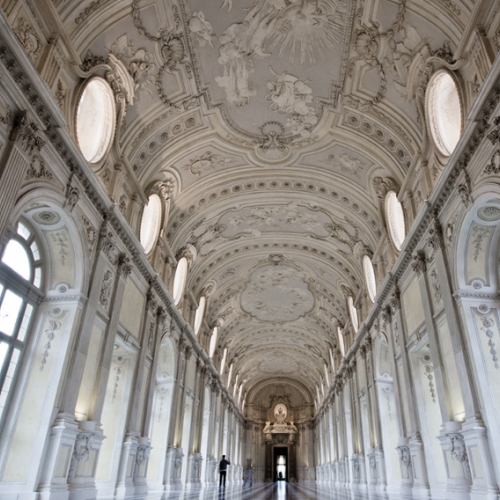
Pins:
x,y
279,365
206,161
253,221
277,293
253,36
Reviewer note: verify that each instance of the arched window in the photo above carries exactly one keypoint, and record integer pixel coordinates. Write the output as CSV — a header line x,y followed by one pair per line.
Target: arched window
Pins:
x,y
213,341
353,313
444,112
200,313
95,119
151,223
332,360
371,284
326,373
229,375
395,219
180,279
20,278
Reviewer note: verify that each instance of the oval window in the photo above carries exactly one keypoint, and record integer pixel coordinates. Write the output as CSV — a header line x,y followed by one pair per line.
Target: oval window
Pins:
x,y
341,341
200,312
395,219
95,119
180,280
444,112
353,313
151,223
371,283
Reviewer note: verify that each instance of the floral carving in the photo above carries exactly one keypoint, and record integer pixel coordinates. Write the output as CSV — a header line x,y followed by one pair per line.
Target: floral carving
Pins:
x,y
478,236
428,372
106,289
487,327
49,331
37,170
90,232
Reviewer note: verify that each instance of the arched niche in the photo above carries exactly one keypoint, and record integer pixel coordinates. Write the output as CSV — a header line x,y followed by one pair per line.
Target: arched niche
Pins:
x,y
166,362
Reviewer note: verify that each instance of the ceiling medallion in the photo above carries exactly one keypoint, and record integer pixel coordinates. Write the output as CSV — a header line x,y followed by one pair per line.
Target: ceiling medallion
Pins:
x,y
489,213
277,293
47,218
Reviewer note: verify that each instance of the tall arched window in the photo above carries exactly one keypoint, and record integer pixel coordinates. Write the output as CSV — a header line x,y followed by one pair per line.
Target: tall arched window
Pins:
x,y
20,279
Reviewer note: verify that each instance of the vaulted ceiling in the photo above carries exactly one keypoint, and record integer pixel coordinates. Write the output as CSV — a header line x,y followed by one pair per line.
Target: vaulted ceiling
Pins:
x,y
275,119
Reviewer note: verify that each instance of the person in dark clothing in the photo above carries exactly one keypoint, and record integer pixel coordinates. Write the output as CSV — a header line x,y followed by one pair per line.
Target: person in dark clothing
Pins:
x,y
223,470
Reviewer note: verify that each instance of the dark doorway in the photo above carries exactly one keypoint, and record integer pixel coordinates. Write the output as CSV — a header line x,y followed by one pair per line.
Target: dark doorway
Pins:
x,y
280,463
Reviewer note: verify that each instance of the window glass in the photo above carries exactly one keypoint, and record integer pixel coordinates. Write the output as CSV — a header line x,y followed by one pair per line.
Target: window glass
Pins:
x,y
16,257
213,341
444,112
23,231
180,279
395,219
9,312
371,284
151,223
341,341
200,312
95,119
353,313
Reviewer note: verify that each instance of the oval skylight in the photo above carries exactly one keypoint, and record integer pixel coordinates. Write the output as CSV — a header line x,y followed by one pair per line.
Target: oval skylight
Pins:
x,y
444,112
371,284
95,119
200,312
180,279
151,223
395,219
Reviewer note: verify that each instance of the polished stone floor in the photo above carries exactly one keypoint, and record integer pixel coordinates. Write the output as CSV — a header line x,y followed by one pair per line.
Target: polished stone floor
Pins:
x,y
275,491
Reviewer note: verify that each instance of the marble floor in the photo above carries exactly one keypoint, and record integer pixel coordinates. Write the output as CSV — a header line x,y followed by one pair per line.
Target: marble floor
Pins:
x,y
275,491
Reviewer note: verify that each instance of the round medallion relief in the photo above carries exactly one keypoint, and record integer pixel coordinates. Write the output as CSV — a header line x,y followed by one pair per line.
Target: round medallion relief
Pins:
x,y
47,217
279,365
489,213
95,119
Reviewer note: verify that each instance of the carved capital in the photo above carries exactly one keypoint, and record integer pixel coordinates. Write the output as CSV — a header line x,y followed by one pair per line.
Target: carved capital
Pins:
x,y
124,265
419,264
395,301
383,185
25,133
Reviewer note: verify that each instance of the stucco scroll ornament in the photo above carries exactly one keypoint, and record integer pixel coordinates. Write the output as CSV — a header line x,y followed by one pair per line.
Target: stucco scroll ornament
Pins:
x,y
206,161
106,289
494,136
28,38
171,48
37,170
139,63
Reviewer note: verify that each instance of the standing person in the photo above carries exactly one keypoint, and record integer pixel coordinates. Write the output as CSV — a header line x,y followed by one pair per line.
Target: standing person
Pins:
x,y
223,470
